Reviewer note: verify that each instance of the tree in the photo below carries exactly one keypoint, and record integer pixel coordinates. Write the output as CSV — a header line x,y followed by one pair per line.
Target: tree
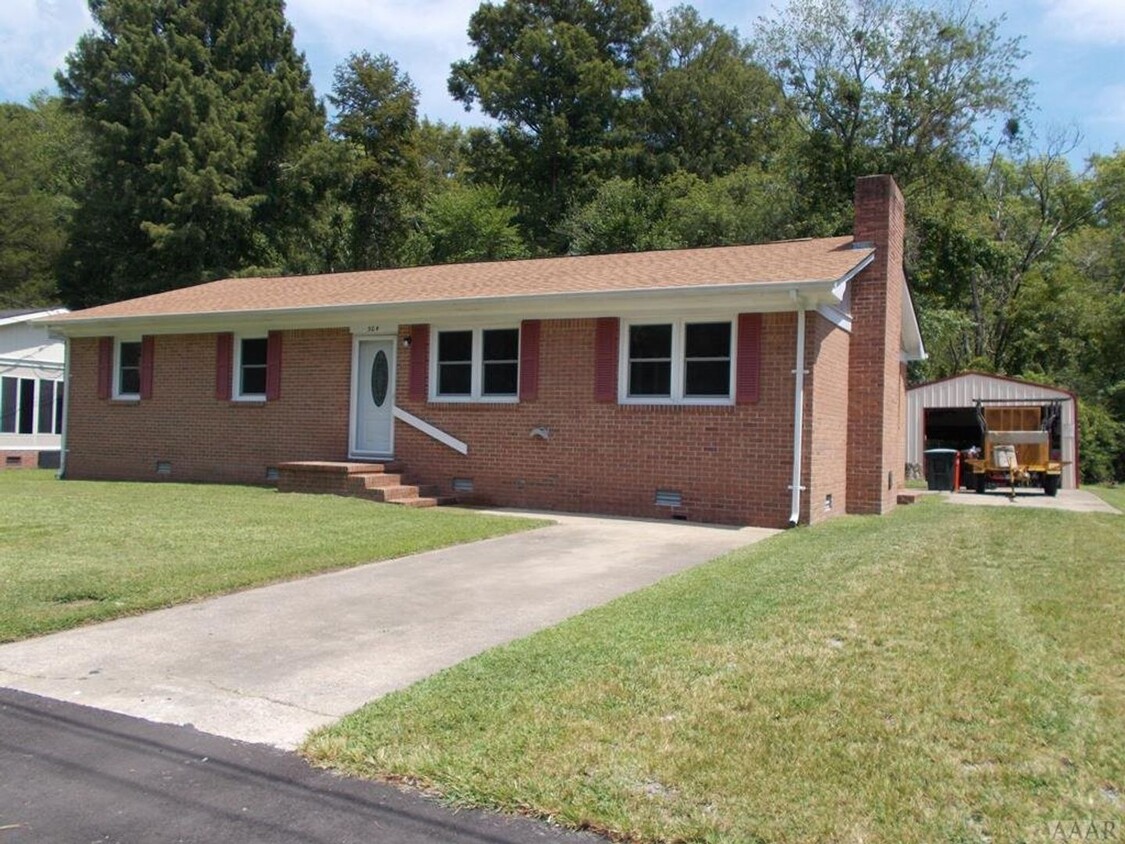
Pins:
x,y
706,106
553,73
684,211
377,118
202,117
43,164
465,223
890,86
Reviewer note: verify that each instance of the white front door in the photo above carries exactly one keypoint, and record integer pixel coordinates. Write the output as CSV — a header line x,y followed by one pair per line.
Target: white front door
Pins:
x,y
374,397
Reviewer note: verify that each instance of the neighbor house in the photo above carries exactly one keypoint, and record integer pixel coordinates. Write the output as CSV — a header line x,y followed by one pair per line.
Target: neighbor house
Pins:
x,y
31,389
755,385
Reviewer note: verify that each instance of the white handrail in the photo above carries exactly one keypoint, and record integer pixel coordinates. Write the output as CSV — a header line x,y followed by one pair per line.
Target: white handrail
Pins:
x,y
430,431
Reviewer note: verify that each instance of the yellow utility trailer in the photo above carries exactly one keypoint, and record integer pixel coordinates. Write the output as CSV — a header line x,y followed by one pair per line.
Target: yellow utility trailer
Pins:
x,y
1016,446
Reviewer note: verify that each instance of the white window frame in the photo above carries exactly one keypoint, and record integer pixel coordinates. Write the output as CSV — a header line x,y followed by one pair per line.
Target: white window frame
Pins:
x,y
236,393
679,362
117,393
476,394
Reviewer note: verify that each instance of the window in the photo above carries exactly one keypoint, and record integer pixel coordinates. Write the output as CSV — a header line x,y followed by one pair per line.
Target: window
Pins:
x,y
501,362
250,368
128,371
30,406
686,362
707,359
477,365
455,363
47,407
9,404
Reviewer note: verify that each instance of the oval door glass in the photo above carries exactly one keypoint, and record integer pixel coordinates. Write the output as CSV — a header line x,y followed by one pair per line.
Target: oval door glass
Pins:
x,y
379,378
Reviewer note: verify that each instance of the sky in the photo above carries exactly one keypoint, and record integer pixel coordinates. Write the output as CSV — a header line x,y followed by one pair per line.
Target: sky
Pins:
x,y
1076,50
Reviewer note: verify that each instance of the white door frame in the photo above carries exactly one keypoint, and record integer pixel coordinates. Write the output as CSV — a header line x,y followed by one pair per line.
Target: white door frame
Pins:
x,y
354,405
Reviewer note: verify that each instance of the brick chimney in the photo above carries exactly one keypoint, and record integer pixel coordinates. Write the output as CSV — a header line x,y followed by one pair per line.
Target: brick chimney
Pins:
x,y
877,375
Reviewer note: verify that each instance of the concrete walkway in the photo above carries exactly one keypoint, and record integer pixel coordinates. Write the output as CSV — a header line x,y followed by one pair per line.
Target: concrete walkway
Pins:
x,y
1072,500
269,664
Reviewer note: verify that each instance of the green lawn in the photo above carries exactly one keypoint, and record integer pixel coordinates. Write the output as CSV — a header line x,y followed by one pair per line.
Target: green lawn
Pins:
x,y
943,674
1112,495
79,551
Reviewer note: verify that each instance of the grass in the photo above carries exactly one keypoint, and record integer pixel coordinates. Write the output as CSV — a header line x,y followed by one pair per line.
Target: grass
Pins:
x,y
1112,495
72,552
942,674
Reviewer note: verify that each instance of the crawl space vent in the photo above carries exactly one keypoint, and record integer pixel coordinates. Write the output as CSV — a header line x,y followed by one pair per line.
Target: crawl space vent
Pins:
x,y
462,484
271,473
163,467
669,498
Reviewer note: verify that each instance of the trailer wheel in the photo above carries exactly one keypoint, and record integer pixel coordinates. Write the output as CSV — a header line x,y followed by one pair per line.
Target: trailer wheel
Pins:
x,y
981,482
1051,485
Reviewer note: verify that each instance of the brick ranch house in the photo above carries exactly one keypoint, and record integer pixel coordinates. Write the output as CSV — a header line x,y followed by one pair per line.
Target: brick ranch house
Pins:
x,y
757,385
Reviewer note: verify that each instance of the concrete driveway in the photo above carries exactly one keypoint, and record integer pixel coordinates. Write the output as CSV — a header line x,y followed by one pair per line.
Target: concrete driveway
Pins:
x,y
269,664
1072,500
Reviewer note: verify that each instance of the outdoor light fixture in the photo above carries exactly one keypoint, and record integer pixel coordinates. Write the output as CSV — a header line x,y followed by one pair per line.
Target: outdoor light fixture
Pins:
x,y
406,342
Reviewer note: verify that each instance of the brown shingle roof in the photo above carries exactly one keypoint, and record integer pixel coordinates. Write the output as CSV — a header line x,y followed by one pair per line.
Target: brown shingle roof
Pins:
x,y
822,259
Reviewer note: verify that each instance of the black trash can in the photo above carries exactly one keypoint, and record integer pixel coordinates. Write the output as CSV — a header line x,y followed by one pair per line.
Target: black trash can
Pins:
x,y
939,468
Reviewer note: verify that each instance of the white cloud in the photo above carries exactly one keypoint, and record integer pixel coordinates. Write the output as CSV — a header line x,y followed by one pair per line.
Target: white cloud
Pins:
x,y
35,36
1087,21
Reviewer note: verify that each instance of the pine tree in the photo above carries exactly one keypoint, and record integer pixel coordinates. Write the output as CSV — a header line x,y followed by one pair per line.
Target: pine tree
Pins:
x,y
201,114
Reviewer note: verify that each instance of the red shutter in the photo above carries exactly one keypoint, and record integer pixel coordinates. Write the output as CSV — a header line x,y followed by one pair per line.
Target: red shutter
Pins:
x,y
529,360
224,356
606,335
419,361
273,366
105,367
749,362
148,346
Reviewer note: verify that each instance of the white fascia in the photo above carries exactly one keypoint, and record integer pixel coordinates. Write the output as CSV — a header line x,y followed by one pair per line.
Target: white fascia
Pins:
x,y
683,301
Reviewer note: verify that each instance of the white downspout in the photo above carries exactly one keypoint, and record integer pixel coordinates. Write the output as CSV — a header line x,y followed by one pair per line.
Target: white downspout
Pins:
x,y
798,416
66,410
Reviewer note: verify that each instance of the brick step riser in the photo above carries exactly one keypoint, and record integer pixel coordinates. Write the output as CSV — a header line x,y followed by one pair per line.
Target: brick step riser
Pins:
x,y
374,482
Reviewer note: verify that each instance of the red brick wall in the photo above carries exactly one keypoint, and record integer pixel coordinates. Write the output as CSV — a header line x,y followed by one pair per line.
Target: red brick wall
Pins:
x,y
876,441
826,424
732,464
206,439
26,459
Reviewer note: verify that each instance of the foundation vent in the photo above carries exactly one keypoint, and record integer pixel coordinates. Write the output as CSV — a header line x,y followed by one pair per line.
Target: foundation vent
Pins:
x,y
163,467
462,484
669,498
271,473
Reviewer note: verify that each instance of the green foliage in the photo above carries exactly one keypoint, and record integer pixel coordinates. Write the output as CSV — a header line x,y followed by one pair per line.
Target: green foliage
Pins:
x,y
44,161
377,119
465,223
553,73
1103,443
705,106
683,211
201,116
886,86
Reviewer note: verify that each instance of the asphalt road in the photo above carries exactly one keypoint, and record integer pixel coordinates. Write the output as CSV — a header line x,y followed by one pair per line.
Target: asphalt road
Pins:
x,y
75,774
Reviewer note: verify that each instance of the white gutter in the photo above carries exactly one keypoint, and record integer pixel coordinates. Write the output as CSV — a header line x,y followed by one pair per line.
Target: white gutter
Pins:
x,y
798,415
66,410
